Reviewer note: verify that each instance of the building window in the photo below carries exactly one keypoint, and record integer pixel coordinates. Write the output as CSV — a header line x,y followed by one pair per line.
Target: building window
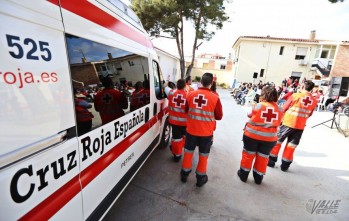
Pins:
x,y
281,50
261,74
301,53
324,54
223,66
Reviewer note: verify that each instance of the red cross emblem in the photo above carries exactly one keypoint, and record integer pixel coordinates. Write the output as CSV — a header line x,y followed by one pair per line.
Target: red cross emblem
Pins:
x,y
307,101
269,115
178,100
200,101
107,98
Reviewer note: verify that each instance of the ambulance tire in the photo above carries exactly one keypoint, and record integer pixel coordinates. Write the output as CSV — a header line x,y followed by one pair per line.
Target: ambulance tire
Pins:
x,y
166,134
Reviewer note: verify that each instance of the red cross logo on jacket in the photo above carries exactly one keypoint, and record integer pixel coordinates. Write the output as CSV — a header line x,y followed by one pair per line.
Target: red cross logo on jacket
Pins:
x,y
200,101
307,101
178,100
269,115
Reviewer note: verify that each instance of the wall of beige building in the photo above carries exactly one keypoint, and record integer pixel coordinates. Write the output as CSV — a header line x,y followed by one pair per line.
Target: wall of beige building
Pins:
x,y
223,76
257,55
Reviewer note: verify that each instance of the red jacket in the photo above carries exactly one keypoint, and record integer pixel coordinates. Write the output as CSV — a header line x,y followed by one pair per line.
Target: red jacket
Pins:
x,y
265,120
176,103
110,104
203,108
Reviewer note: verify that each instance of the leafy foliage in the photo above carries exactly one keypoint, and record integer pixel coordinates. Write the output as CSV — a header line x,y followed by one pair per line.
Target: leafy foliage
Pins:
x,y
165,18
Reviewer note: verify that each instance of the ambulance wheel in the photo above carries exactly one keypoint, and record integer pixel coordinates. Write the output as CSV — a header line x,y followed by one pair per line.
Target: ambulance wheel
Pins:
x,y
166,134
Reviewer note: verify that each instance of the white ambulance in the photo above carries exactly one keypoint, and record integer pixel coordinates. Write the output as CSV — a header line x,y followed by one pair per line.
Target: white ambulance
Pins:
x,y
53,53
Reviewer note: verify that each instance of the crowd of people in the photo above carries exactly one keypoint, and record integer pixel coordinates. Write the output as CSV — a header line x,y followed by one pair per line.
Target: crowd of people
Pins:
x,y
193,114
110,100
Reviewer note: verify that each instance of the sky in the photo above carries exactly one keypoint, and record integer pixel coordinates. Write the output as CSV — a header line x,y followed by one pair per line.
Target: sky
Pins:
x,y
277,18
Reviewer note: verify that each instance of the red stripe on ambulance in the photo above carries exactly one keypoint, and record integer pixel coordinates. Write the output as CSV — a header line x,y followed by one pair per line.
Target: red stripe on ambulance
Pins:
x,y
56,201
100,17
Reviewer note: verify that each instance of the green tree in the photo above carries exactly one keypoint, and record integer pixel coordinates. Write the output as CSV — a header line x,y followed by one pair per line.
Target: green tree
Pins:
x,y
165,18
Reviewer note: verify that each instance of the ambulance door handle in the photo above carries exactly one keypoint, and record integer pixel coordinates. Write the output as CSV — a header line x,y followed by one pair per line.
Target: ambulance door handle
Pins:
x,y
155,109
30,149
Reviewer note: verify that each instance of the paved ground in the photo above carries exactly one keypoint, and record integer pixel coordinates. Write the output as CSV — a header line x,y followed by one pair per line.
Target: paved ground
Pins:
x,y
319,174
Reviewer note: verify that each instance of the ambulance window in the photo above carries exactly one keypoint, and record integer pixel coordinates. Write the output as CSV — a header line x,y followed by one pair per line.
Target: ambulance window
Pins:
x,y
108,82
158,81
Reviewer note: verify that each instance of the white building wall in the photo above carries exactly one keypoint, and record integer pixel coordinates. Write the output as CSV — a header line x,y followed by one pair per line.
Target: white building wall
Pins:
x,y
256,55
169,65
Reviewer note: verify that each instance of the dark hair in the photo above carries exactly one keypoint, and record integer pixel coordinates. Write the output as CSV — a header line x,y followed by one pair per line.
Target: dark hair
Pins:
x,y
138,85
107,82
269,94
308,85
180,84
187,79
207,79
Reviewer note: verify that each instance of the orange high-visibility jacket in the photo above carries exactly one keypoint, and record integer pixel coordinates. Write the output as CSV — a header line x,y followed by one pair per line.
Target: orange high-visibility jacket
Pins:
x,y
176,103
201,106
299,107
265,120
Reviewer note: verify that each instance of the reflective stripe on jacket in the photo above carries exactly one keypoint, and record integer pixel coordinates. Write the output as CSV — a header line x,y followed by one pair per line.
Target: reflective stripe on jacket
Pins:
x,y
300,110
265,120
201,107
176,103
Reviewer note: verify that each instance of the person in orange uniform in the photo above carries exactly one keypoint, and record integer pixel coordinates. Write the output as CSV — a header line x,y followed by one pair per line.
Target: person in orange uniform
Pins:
x,y
298,108
188,88
177,118
110,102
203,108
260,135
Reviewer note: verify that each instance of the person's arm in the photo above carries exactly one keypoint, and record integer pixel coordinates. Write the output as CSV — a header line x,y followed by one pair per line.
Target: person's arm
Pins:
x,y
287,104
167,90
218,111
186,105
124,102
95,100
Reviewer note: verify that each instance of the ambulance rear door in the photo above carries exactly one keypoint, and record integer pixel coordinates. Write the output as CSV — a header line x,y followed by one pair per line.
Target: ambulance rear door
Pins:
x,y
39,165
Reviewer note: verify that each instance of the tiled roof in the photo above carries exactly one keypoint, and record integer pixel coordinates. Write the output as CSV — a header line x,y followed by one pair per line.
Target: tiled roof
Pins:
x,y
278,39
281,39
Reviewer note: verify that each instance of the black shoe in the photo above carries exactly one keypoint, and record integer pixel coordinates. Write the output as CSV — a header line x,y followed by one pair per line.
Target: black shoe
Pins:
x,y
284,168
176,158
243,175
285,165
184,176
257,178
271,163
201,180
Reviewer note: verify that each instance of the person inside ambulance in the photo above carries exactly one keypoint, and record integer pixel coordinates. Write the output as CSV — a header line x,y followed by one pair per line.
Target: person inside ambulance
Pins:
x,y
298,108
83,115
110,102
144,94
203,108
177,118
136,96
260,135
